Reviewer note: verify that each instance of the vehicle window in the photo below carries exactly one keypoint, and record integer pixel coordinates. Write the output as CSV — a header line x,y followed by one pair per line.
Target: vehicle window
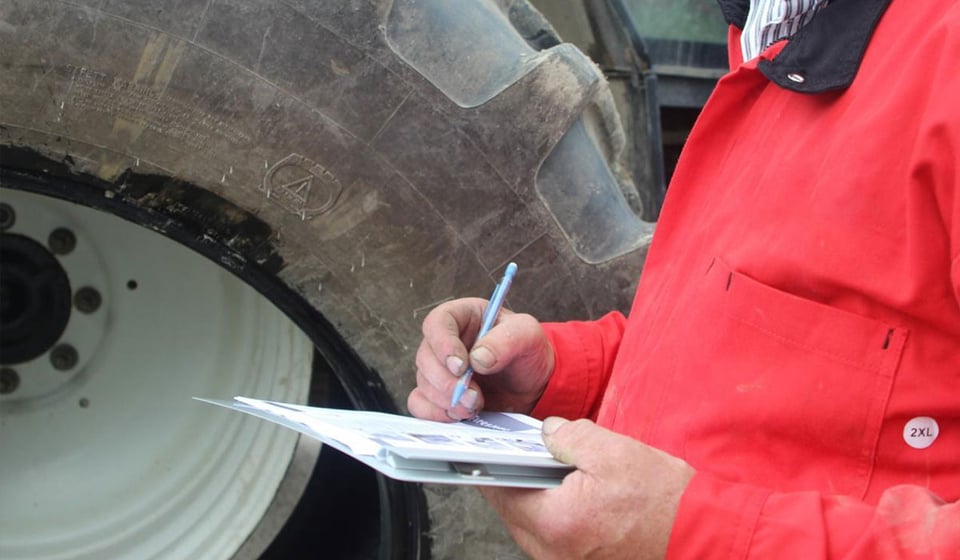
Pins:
x,y
680,20
681,33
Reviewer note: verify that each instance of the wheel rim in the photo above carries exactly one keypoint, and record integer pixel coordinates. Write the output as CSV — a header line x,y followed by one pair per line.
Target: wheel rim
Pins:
x,y
113,457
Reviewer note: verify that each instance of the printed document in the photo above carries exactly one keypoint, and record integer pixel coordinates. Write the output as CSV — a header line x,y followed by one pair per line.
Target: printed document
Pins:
x,y
493,448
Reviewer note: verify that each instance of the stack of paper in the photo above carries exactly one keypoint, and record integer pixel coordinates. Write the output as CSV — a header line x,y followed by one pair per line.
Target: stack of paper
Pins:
x,y
494,448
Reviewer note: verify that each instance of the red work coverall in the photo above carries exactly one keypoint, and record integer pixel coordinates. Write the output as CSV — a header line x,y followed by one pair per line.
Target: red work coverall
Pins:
x,y
796,331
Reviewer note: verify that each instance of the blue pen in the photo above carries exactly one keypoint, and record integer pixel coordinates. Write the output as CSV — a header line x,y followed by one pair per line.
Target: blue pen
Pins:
x,y
486,323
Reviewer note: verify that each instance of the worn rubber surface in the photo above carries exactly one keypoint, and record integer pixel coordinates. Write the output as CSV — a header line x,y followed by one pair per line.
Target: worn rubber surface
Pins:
x,y
377,157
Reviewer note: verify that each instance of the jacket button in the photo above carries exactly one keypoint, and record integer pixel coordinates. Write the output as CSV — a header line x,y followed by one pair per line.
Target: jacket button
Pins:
x,y
796,77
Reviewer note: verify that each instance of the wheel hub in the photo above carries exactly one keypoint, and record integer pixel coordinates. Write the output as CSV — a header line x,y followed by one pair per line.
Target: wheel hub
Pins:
x,y
34,299
108,331
54,301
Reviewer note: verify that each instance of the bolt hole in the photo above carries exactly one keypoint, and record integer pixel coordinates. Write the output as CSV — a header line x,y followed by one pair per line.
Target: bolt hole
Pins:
x,y
84,402
132,284
9,381
87,300
62,241
7,216
64,357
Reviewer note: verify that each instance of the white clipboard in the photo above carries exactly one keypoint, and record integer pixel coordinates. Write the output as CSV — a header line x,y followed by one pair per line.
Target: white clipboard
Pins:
x,y
493,449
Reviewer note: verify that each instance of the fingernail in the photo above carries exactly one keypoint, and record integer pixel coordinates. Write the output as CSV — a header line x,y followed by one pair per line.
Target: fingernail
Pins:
x,y
454,364
469,399
483,357
552,423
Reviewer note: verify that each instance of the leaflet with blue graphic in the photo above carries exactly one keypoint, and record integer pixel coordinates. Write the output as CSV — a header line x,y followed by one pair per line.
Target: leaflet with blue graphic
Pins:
x,y
493,449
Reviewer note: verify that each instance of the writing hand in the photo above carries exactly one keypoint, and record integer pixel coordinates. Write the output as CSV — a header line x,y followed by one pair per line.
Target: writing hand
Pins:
x,y
512,362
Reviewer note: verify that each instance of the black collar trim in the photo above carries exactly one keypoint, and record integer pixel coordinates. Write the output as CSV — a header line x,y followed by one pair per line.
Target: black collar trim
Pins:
x,y
735,11
826,53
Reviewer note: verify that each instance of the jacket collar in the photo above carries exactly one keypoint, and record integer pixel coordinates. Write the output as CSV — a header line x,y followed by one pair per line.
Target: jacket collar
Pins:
x,y
826,53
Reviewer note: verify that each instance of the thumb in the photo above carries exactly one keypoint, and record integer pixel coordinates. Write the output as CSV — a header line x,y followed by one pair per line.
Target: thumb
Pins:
x,y
580,443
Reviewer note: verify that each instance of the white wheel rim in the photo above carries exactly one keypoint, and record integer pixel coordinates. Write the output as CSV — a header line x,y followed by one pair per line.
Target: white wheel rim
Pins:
x,y
140,470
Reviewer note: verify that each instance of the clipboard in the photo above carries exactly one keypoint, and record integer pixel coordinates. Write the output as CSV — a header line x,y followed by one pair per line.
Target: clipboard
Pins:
x,y
492,449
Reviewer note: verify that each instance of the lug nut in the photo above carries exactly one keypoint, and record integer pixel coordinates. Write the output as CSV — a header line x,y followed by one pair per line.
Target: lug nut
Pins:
x,y
64,357
62,241
7,216
9,381
87,300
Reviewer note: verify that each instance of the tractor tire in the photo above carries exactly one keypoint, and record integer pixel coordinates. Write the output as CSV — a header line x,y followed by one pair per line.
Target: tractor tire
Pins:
x,y
355,163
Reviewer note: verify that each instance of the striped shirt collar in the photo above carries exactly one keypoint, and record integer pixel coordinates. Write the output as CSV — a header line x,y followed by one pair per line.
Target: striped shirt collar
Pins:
x,y
769,21
825,53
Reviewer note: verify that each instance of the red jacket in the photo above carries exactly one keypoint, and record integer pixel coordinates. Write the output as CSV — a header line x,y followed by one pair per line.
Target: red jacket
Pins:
x,y
797,323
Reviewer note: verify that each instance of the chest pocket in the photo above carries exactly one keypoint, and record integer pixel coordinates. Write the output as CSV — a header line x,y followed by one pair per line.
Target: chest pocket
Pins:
x,y
793,393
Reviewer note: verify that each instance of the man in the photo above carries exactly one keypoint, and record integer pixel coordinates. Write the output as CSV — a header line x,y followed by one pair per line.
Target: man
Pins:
x,y
787,384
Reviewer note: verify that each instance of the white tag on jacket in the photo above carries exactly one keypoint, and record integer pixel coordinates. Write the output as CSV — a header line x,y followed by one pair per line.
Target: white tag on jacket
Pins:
x,y
921,432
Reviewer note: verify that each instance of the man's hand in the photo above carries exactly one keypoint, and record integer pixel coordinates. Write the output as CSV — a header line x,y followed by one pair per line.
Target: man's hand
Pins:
x,y
512,362
620,502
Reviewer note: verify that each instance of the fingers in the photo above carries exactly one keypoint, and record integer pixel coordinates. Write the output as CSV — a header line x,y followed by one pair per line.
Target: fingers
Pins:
x,y
421,406
620,502
511,340
516,349
545,523
511,504
435,385
431,399
517,506
600,452
442,358
448,328
585,445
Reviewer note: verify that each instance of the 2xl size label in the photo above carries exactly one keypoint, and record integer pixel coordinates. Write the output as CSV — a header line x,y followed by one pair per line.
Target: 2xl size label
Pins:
x,y
921,432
